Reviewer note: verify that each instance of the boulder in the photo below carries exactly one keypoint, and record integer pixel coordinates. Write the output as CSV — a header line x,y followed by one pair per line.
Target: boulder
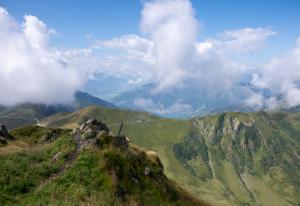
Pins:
x,y
147,171
4,133
95,125
121,142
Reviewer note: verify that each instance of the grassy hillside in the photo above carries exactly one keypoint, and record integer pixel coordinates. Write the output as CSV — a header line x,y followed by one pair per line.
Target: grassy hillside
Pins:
x,y
253,156
227,159
26,114
113,117
59,167
29,113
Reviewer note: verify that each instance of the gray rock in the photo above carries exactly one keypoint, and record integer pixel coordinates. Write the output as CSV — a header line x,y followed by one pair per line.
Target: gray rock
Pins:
x,y
147,171
121,142
4,133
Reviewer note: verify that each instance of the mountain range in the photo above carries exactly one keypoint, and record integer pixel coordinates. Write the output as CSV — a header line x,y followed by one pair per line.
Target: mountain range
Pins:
x,y
29,113
226,159
182,102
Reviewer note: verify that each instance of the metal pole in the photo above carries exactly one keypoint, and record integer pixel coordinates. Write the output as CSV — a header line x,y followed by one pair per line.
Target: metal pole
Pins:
x,y
120,130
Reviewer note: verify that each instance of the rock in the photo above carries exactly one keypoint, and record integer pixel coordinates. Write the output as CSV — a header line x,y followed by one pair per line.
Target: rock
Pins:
x,y
4,133
50,137
57,156
121,142
147,171
95,125
2,141
134,180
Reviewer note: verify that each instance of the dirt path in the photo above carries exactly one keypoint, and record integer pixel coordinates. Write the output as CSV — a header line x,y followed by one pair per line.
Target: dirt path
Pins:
x,y
69,162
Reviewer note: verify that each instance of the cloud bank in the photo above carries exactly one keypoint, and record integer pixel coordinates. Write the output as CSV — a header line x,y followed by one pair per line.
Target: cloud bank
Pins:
x,y
175,59
31,70
281,75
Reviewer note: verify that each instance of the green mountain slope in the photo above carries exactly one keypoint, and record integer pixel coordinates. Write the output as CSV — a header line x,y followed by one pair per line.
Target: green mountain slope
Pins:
x,y
254,156
87,167
227,159
26,114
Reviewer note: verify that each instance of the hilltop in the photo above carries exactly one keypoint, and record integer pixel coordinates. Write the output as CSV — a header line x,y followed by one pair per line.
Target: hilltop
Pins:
x,y
228,158
86,166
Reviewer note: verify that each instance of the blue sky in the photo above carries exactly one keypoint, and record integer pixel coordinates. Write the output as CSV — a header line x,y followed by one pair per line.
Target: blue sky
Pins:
x,y
112,18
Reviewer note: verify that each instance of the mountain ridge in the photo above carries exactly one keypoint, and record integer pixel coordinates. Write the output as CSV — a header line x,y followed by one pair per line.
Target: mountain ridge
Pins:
x,y
89,166
31,113
229,158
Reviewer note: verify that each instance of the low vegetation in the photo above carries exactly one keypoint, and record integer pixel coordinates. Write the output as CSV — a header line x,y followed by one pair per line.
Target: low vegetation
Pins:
x,y
55,168
227,159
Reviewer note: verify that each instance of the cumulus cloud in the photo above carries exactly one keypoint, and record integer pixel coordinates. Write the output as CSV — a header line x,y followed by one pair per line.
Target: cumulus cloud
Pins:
x,y
31,70
136,46
245,40
238,41
166,52
177,59
163,23
165,49
169,30
282,76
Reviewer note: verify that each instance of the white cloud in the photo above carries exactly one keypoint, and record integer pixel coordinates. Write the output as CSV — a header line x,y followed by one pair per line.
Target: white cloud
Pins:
x,y
136,46
282,76
163,23
238,41
31,70
255,100
135,81
36,32
203,47
246,40
166,53
178,60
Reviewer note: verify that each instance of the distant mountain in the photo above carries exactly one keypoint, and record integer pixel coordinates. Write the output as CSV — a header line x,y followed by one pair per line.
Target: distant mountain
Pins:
x,y
25,114
228,159
29,113
179,102
83,99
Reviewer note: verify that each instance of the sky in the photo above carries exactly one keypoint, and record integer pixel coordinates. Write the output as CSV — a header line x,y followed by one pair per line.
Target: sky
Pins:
x,y
173,43
103,19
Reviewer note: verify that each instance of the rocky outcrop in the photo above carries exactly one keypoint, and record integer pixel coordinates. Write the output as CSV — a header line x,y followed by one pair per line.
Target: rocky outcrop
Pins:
x,y
50,137
98,131
4,133
121,142
95,125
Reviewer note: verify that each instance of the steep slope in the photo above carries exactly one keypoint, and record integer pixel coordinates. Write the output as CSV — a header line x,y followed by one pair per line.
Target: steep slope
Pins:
x,y
28,113
87,167
227,159
253,156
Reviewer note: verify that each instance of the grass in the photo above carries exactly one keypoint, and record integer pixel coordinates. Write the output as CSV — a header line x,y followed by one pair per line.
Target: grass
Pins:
x,y
25,169
234,144
84,183
100,175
